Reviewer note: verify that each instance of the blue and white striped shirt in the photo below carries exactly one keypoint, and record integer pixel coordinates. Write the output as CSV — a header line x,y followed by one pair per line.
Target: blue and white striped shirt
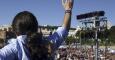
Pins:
x,y
16,49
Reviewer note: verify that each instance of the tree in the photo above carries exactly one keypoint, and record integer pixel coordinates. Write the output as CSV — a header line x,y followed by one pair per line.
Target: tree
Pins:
x,y
70,39
111,35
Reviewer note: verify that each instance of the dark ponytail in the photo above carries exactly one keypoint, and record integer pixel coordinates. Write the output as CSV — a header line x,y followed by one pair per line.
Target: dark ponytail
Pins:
x,y
38,47
34,45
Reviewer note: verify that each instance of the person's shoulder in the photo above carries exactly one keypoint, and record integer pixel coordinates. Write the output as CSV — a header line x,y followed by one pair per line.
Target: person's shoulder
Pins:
x,y
12,41
11,47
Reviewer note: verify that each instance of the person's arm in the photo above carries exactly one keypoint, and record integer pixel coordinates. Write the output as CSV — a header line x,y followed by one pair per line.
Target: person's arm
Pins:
x,y
68,5
58,37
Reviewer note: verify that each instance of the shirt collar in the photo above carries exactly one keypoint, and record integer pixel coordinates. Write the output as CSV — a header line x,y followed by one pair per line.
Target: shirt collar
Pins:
x,y
22,38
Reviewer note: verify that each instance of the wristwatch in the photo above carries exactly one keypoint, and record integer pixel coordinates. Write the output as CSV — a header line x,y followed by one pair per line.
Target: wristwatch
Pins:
x,y
67,11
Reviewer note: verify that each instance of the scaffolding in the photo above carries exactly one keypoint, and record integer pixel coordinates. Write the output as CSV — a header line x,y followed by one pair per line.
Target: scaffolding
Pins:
x,y
93,21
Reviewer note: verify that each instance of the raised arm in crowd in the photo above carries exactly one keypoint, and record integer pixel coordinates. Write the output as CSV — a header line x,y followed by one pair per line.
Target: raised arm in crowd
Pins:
x,y
29,43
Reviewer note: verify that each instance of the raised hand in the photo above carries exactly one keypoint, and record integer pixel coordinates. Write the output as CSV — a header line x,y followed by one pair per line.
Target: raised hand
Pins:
x,y
67,4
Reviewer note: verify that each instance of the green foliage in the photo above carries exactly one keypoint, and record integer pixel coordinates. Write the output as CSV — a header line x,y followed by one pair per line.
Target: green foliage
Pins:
x,y
70,39
87,36
111,35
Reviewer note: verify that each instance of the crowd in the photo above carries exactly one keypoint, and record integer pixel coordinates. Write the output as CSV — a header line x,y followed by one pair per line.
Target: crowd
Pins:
x,y
84,53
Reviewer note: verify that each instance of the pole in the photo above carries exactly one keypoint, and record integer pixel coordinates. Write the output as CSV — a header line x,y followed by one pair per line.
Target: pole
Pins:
x,y
96,25
96,46
80,40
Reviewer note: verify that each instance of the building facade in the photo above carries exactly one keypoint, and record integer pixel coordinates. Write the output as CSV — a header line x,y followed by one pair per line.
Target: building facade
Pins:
x,y
46,29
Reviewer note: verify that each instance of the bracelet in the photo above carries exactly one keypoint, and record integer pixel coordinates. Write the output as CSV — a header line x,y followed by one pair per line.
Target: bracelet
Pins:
x,y
67,11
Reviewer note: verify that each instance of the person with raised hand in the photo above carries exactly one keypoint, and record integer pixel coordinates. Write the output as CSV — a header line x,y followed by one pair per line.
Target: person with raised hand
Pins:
x,y
29,43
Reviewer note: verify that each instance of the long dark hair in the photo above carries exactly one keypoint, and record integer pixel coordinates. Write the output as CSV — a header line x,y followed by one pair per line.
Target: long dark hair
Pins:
x,y
25,23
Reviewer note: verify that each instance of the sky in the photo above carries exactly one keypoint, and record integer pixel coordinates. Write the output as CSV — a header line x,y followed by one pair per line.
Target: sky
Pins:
x,y
51,12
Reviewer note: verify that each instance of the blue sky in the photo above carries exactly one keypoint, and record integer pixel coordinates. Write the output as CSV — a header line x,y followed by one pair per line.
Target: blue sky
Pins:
x,y
51,12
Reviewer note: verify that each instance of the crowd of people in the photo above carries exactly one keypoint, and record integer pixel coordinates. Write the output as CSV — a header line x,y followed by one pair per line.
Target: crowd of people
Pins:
x,y
84,53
